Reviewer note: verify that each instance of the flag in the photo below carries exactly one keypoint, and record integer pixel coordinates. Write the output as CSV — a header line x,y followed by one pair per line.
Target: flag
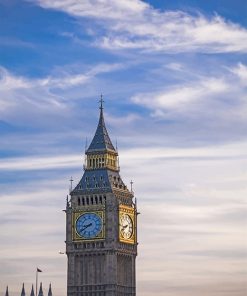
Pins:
x,y
39,270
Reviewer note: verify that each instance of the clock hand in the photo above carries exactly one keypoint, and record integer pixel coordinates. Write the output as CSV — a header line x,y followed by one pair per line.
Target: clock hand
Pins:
x,y
86,226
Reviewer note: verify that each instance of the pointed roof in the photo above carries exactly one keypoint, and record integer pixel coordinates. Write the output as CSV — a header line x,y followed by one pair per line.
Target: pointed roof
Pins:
x,y
23,290
50,291
7,291
32,291
40,290
101,140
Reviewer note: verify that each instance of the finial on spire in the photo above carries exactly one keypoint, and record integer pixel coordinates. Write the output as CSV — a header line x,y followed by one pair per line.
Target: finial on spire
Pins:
x,y
50,291
41,290
67,201
23,293
101,101
71,183
32,291
86,145
131,185
7,291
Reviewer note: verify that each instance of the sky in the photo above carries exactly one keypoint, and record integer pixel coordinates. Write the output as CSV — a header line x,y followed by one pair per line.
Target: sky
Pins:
x,y
173,74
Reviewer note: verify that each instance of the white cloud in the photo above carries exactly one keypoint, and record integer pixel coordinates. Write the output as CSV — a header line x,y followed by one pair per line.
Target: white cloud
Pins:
x,y
41,163
110,9
181,97
219,97
137,25
241,72
36,96
9,81
174,66
64,161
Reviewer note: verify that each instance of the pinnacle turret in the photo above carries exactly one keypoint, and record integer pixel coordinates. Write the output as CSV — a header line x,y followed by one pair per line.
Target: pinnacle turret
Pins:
x,y
41,290
32,292
23,293
50,291
7,291
23,290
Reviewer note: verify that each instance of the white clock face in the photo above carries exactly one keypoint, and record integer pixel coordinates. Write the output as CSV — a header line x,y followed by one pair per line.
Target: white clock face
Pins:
x,y
126,226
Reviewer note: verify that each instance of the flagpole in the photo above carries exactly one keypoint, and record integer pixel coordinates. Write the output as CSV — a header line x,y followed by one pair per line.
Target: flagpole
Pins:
x,y
36,281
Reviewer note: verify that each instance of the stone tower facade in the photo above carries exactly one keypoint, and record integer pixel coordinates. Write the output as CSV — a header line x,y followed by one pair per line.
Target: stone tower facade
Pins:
x,y
101,225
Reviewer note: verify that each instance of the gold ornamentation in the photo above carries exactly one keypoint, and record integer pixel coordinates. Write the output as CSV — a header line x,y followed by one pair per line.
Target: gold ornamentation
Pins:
x,y
88,225
127,224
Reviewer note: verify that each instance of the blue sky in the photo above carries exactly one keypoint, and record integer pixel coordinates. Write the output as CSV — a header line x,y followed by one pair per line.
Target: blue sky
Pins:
x,y
174,79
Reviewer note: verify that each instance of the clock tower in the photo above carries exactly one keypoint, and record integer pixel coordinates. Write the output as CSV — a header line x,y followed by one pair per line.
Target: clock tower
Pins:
x,y
101,225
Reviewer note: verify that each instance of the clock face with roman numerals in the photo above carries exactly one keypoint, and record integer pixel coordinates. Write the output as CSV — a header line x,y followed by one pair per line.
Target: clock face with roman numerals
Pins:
x,y
126,226
88,225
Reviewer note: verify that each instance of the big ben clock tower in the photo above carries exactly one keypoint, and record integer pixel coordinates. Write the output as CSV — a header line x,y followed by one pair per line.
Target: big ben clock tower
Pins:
x,y
101,225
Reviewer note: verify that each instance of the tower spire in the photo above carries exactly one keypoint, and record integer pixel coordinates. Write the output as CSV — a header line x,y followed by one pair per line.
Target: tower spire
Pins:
x,y
101,140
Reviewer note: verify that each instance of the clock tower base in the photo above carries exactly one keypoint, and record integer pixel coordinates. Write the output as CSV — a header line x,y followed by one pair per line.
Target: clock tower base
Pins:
x,y
94,274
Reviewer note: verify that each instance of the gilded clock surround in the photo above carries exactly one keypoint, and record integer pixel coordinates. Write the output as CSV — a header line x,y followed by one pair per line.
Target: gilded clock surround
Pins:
x,y
77,237
130,212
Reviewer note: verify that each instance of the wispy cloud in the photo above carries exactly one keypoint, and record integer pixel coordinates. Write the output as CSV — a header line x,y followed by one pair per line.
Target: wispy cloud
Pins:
x,y
201,97
241,71
64,161
44,95
182,97
9,81
15,42
41,163
137,25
